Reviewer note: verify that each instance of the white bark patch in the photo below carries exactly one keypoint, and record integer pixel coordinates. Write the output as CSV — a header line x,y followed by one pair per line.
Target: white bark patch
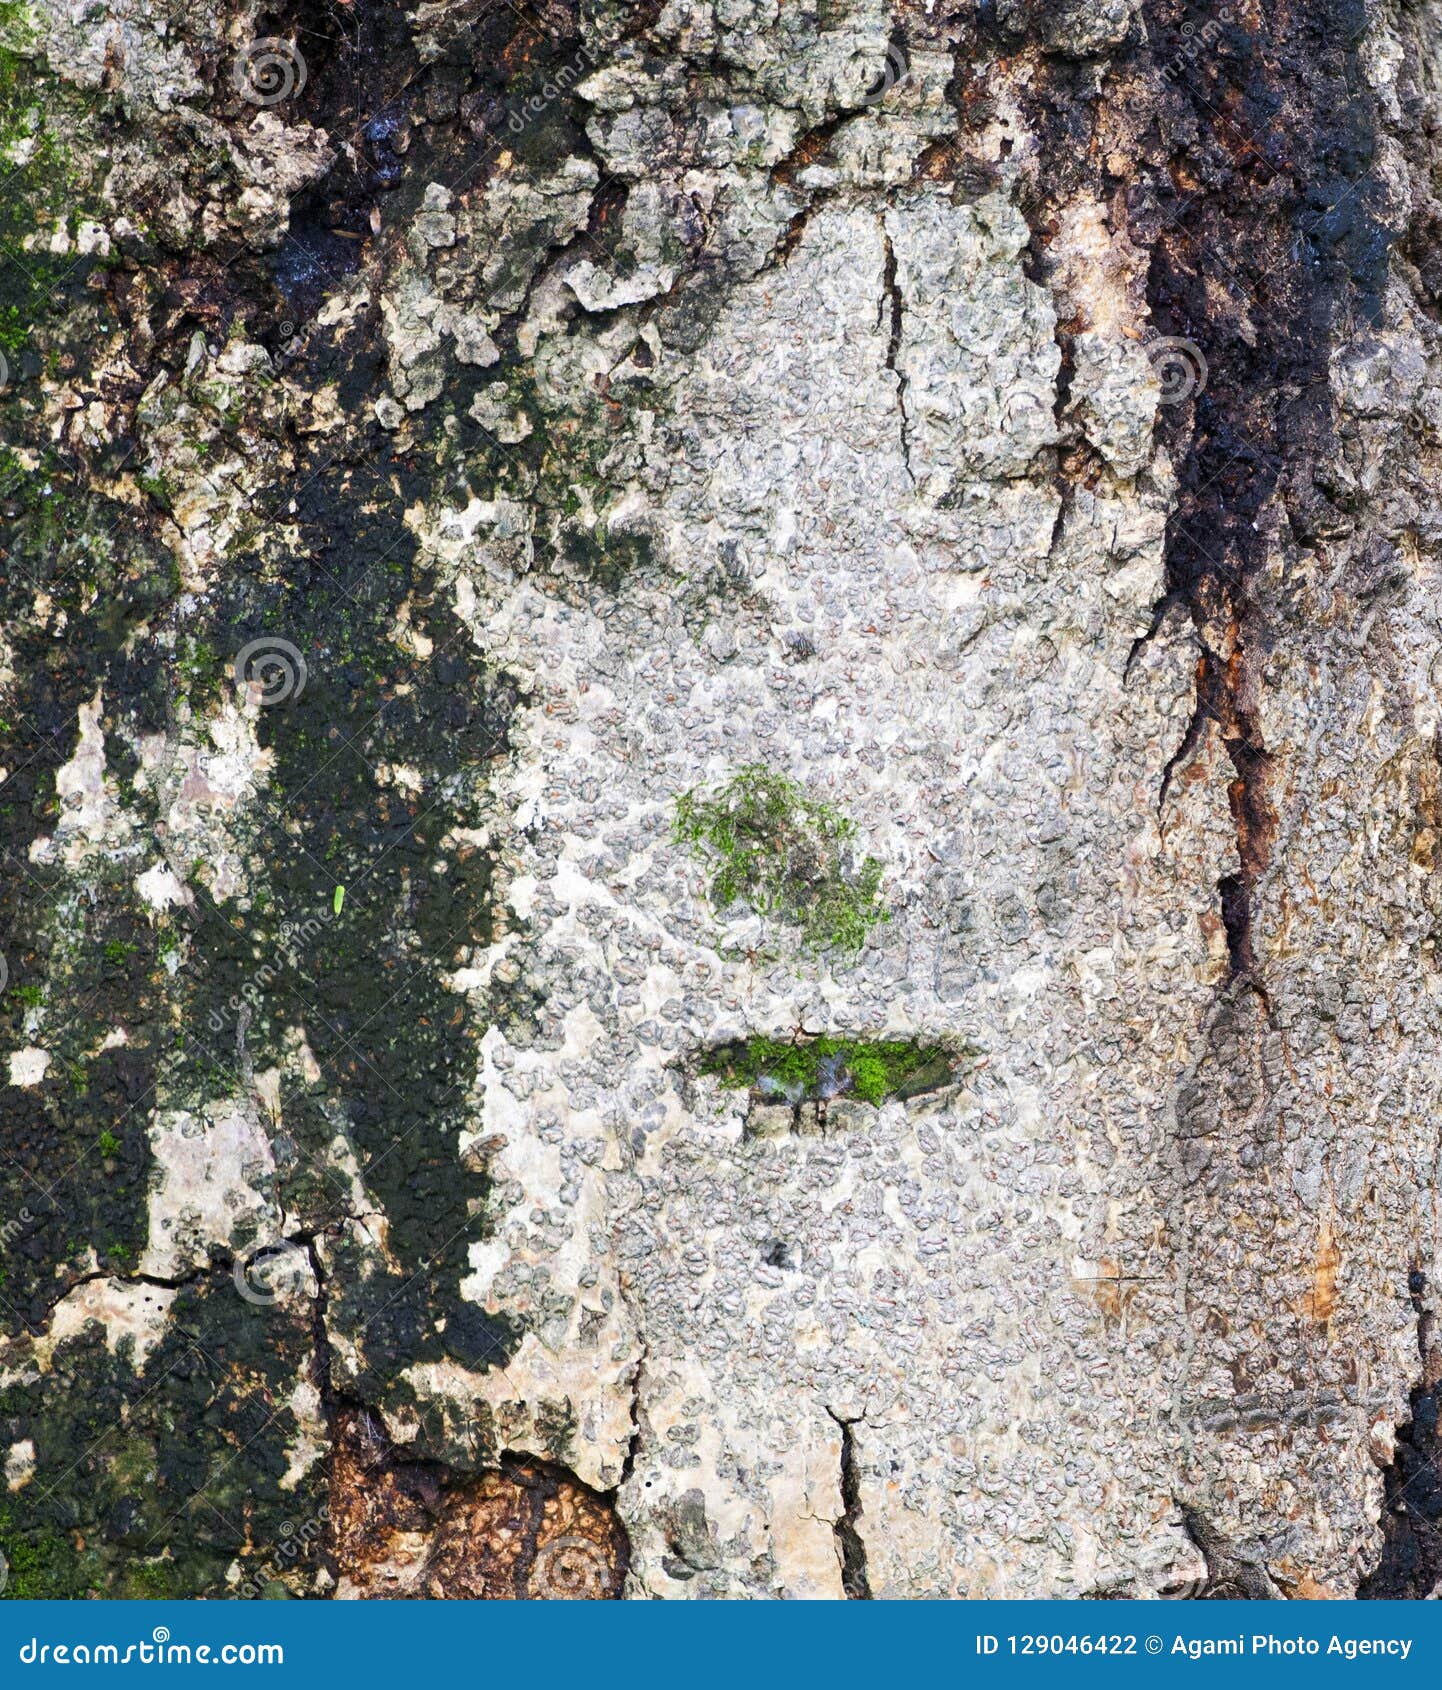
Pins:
x,y
932,652
19,1464
313,1438
90,815
28,1067
132,1315
200,785
159,888
213,1187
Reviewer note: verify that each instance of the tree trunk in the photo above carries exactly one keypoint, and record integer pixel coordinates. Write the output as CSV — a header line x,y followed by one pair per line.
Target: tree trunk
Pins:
x,y
721,793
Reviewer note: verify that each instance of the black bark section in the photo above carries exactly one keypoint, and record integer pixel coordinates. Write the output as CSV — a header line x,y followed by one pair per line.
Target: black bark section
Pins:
x,y
1411,1562
1268,238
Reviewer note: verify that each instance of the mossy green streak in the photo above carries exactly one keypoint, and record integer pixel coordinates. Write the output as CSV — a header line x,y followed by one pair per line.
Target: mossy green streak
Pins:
x,y
875,1071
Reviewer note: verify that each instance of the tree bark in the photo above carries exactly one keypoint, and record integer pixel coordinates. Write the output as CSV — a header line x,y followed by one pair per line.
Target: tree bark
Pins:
x,y
721,798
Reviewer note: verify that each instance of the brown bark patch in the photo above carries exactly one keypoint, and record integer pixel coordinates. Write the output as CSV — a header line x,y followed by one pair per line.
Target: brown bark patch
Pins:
x,y
403,1529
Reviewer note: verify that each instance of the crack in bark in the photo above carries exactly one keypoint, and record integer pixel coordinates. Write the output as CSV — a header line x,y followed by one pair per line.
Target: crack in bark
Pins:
x,y
855,1577
219,1262
1232,1575
891,295
633,1446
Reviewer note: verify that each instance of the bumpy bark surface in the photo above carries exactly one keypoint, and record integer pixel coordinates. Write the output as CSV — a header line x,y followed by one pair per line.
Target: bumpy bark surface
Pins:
x,y
526,527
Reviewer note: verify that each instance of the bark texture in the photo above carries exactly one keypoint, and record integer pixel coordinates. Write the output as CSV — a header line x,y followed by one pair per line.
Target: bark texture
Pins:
x,y
720,789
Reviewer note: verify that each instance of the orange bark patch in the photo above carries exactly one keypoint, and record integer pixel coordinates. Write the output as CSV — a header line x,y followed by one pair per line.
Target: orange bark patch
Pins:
x,y
1321,1300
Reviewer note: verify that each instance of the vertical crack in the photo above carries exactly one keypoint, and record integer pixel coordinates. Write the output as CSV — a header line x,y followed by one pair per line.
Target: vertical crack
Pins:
x,y
321,1337
891,295
1254,819
855,1580
633,1446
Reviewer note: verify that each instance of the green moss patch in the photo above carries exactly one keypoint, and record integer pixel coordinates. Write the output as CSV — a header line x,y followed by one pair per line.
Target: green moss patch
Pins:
x,y
46,182
788,856
816,1070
